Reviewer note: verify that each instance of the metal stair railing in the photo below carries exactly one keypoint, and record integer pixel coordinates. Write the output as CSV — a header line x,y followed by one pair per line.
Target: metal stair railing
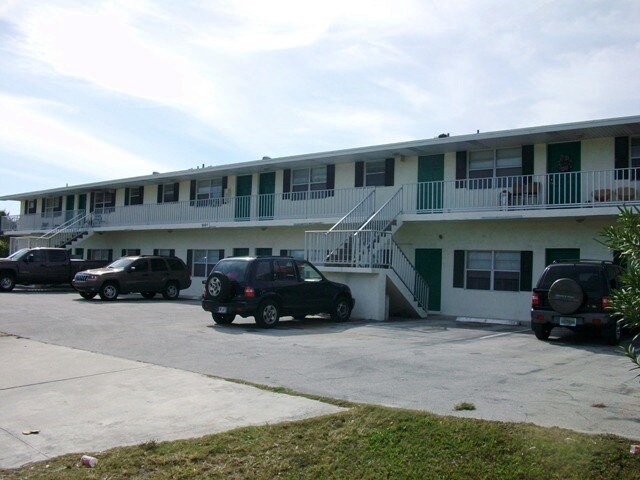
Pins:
x,y
56,237
68,231
332,246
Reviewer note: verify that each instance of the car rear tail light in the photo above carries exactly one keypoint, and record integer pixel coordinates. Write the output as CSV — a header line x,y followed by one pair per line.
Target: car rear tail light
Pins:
x,y
535,299
606,302
249,292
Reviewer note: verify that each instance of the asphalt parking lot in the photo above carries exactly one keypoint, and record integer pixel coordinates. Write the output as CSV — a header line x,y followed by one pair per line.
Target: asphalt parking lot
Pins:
x,y
430,364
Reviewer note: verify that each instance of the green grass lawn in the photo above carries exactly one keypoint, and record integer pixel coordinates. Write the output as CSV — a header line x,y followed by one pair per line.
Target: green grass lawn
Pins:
x,y
364,442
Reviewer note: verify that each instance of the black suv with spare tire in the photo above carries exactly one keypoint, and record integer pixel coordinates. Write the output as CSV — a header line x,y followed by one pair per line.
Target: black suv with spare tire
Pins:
x,y
145,274
576,295
268,288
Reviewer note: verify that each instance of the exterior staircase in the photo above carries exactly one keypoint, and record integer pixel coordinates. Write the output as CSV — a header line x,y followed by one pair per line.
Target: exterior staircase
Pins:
x,y
67,235
363,239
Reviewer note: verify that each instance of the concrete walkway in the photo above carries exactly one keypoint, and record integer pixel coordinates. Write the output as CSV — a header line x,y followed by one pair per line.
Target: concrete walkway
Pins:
x,y
85,402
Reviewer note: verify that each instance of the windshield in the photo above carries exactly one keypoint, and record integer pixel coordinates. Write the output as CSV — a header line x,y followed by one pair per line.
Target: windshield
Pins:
x,y
121,263
19,254
234,269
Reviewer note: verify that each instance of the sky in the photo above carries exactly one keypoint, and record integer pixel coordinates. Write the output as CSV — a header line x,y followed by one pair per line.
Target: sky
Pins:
x,y
99,90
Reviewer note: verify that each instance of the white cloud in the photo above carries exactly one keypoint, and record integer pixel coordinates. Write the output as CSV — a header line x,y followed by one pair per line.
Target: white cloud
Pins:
x,y
28,131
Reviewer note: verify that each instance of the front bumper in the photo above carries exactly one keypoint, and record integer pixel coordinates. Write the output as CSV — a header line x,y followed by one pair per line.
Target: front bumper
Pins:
x,y
88,287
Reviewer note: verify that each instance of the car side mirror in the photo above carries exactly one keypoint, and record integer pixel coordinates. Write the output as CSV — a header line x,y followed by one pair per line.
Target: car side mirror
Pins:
x,y
29,258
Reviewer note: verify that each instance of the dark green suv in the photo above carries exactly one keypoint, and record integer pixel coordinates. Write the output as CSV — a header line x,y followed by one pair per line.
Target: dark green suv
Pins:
x,y
270,287
576,295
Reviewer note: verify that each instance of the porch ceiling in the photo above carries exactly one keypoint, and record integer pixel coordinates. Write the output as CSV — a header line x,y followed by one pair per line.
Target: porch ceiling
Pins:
x,y
547,134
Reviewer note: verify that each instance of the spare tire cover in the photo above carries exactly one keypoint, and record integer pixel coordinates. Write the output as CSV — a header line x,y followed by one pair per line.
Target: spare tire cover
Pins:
x,y
565,296
219,286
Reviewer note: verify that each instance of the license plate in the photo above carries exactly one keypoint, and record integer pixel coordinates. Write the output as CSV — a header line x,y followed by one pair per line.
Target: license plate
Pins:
x,y
221,309
567,321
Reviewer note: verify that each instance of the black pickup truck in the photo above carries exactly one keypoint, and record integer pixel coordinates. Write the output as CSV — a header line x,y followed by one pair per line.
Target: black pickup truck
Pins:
x,y
41,266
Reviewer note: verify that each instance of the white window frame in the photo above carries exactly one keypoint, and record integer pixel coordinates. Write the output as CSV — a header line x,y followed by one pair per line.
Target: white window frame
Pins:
x,y
499,169
164,252
104,201
205,258
209,189
493,269
375,173
50,205
136,193
169,188
309,179
100,254
298,254
131,252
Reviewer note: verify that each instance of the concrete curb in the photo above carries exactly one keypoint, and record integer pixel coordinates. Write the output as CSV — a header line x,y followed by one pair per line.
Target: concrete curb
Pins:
x,y
493,321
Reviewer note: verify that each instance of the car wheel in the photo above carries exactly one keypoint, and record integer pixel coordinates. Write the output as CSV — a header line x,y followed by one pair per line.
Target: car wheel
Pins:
x,y
7,282
541,331
218,286
341,310
612,333
171,291
268,314
148,294
223,318
565,296
109,291
87,295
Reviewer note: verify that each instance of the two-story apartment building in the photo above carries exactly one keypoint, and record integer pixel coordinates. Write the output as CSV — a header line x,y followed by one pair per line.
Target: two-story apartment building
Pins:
x,y
459,225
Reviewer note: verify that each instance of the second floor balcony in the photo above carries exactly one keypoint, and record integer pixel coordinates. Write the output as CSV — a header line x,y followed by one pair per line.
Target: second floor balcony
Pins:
x,y
524,193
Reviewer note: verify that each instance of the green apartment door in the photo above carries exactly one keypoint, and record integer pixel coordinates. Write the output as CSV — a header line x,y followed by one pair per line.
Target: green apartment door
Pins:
x,y
243,197
266,197
563,167
430,170
70,205
429,265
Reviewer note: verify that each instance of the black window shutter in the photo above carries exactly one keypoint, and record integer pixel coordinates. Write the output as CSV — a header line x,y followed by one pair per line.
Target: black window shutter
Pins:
x,y
526,270
461,168
331,177
127,193
221,253
286,180
190,260
92,201
110,257
176,191
621,156
88,254
172,252
458,269
124,252
283,253
359,174
142,194
527,160
35,206
389,170
155,251
622,152
192,192
160,193
225,184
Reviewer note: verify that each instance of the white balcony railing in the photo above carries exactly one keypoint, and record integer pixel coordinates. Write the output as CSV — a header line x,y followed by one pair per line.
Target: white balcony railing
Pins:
x,y
525,192
277,206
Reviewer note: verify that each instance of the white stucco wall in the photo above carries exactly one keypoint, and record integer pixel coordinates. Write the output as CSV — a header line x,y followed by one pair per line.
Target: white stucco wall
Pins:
x,y
534,234
368,291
